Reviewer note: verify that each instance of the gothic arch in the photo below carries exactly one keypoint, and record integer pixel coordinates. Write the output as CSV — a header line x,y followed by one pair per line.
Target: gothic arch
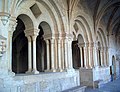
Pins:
x,y
80,38
55,16
83,30
86,25
103,37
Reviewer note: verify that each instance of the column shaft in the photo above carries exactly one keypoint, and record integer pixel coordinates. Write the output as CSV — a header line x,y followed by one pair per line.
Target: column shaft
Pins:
x,y
85,61
62,54
65,53
48,55
59,54
29,54
96,56
56,54
34,55
70,54
81,56
52,55
10,33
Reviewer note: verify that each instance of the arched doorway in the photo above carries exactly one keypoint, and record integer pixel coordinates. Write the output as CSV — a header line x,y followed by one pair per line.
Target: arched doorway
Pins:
x,y
19,49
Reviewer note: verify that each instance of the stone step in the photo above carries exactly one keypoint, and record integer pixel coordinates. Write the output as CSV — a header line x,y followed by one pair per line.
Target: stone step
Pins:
x,y
98,83
76,89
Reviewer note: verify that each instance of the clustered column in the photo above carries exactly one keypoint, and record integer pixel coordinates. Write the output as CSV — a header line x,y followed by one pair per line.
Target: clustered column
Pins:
x,y
31,36
96,55
91,63
60,63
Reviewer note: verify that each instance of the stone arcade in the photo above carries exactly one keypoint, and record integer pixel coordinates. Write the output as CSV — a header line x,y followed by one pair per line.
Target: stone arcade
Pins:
x,y
54,45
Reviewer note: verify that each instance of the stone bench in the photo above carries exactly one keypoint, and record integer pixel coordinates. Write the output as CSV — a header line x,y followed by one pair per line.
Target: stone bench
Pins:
x,y
76,89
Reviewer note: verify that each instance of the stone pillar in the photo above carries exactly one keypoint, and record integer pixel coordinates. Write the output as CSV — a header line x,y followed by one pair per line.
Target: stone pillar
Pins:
x,y
56,53
91,55
34,55
65,53
70,53
59,55
85,57
48,54
62,54
29,54
105,58
102,58
81,56
95,55
12,26
53,55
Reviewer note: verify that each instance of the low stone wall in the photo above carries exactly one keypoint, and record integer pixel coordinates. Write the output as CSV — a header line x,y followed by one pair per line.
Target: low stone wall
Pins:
x,y
44,82
95,77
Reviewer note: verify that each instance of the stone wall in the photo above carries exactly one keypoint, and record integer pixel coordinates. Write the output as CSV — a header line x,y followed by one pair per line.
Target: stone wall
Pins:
x,y
44,82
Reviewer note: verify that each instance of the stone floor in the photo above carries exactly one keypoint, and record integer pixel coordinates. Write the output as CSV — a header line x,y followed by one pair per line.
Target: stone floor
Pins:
x,y
113,86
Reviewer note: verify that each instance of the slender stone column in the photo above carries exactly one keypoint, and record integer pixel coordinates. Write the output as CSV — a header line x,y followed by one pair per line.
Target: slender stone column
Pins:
x,y
65,53
91,55
59,55
101,52
48,55
10,33
53,55
29,54
81,56
62,54
96,56
105,58
56,53
34,55
70,53
85,57
107,55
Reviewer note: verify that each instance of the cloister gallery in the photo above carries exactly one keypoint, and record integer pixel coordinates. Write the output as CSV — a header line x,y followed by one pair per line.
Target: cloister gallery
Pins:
x,y
54,45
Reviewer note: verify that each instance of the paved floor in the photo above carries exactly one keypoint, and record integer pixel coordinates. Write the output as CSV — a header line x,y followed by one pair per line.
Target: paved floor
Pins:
x,y
113,86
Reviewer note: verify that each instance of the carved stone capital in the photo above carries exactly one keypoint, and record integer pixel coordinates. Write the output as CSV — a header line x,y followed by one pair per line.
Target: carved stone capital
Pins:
x,y
12,23
31,32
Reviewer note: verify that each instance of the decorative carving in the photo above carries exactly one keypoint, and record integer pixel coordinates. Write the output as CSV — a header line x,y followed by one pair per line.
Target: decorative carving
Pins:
x,y
2,45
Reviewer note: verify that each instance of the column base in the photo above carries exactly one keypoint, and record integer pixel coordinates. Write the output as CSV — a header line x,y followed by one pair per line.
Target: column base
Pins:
x,y
29,72
70,70
11,73
35,72
60,70
51,70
